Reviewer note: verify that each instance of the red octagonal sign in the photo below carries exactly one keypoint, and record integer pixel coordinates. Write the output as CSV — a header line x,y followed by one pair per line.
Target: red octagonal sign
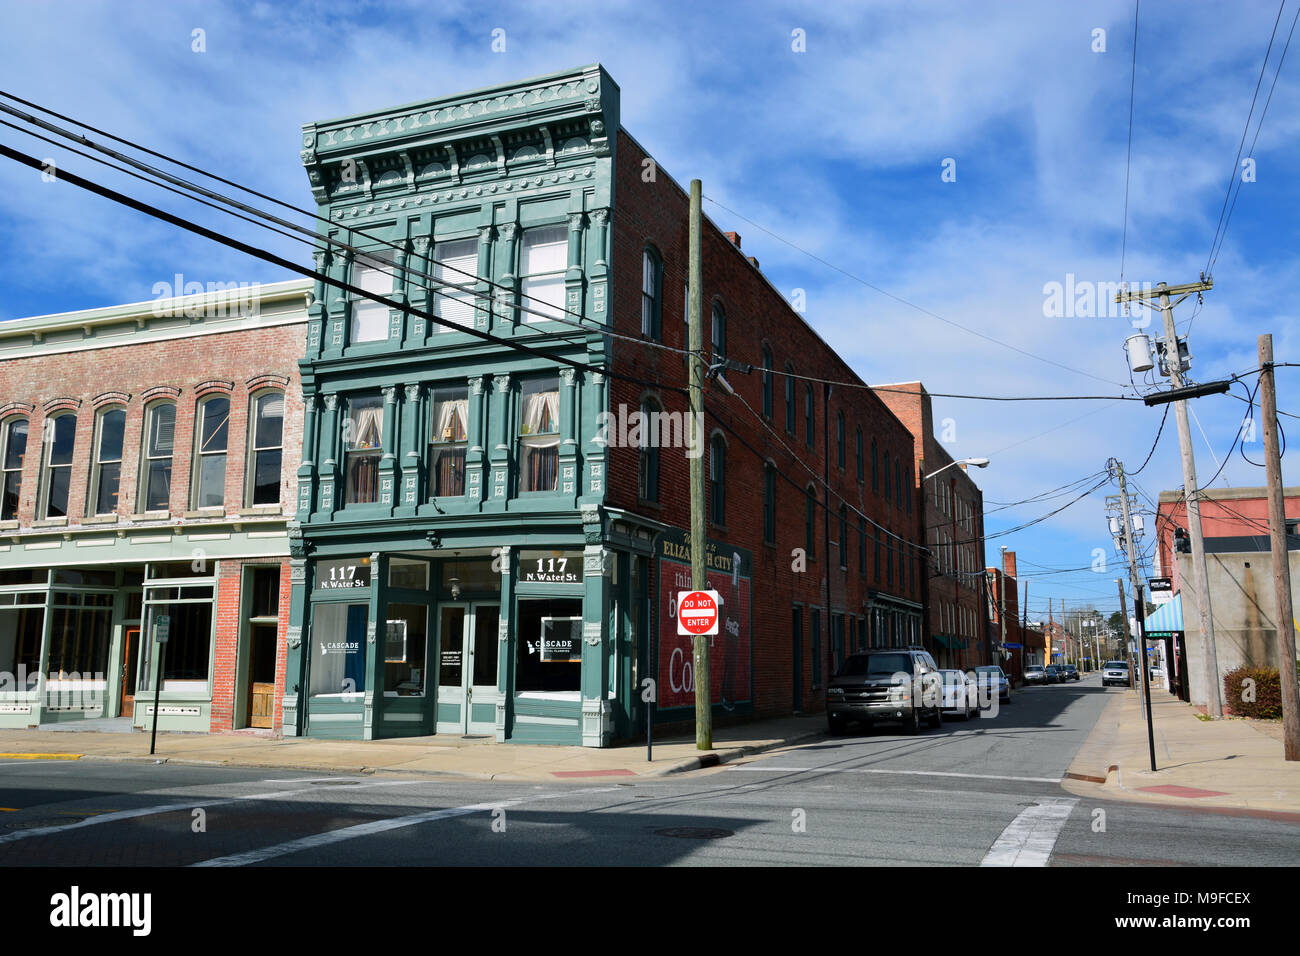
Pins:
x,y
697,612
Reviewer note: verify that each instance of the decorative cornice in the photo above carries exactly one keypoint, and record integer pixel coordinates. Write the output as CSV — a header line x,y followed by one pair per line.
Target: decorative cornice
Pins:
x,y
104,398
214,385
60,404
16,408
160,391
267,380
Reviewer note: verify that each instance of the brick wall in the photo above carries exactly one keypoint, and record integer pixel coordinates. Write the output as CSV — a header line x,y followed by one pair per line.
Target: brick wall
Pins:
x,y
656,214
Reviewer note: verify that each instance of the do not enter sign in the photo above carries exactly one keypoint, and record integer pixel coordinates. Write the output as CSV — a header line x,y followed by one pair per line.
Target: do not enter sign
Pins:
x,y
697,612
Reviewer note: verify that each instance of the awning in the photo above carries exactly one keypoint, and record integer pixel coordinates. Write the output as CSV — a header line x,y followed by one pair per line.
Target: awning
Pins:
x,y
952,643
1167,618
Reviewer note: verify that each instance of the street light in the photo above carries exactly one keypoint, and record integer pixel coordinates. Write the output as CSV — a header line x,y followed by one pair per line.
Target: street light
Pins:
x,y
977,462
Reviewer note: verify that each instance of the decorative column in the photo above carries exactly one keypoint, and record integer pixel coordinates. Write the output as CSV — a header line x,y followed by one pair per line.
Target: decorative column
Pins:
x,y
505,647
597,563
505,292
573,275
397,324
338,306
412,453
482,291
500,456
599,267
388,459
421,297
329,447
568,455
307,468
295,677
374,669
474,458
594,483
317,312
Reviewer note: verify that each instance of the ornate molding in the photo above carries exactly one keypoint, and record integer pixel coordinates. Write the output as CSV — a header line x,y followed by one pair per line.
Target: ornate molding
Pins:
x,y
413,392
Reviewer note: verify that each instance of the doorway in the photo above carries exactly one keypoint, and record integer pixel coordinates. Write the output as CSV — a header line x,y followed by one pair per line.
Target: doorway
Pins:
x,y
467,668
261,675
130,653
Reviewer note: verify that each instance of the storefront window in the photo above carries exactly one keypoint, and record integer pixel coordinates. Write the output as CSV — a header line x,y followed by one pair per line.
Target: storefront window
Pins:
x,y
549,647
188,651
338,641
405,639
81,630
20,646
470,576
448,442
410,574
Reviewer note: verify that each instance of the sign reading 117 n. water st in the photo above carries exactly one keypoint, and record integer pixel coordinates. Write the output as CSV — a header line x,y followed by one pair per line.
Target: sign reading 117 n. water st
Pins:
x,y
343,575
550,567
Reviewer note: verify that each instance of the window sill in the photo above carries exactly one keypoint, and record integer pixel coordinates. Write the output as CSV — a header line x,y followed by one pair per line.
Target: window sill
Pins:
x,y
8,525
100,519
151,516
205,513
50,523
255,510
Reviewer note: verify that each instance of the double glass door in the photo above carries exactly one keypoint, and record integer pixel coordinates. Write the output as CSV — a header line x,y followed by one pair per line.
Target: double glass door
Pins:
x,y
467,668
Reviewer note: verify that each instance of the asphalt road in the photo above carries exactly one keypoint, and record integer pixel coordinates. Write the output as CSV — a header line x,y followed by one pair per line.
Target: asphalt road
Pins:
x,y
984,792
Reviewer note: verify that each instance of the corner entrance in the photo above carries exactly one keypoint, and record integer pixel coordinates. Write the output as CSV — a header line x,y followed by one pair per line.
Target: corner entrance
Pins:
x,y
467,668
130,649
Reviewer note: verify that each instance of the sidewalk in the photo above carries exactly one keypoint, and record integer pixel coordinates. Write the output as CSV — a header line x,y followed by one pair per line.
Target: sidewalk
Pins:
x,y
1229,764
481,759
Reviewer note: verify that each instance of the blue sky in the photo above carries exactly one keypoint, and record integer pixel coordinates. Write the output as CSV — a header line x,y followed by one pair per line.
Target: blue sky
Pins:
x,y
837,150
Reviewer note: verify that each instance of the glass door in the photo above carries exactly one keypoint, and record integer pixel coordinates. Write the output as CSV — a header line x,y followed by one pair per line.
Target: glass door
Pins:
x,y
482,672
453,693
467,668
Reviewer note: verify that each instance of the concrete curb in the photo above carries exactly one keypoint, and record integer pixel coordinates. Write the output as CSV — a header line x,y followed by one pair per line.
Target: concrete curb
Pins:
x,y
714,758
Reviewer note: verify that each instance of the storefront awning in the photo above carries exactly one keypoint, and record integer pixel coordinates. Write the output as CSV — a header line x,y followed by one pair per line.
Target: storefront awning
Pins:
x,y
952,643
1168,617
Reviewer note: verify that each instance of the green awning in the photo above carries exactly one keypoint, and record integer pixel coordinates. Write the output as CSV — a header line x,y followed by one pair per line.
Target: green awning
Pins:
x,y
952,643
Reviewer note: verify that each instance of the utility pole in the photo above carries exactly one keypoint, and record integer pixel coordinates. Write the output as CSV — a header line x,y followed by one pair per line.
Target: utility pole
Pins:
x,y
1002,600
1123,613
1200,574
1131,550
1281,561
1024,626
699,581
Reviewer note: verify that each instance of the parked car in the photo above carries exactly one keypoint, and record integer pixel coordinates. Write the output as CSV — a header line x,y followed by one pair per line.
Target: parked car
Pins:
x,y
1069,672
960,694
991,675
1114,672
1035,674
886,684
1052,674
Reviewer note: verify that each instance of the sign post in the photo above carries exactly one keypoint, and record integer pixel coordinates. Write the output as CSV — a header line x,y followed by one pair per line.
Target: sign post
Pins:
x,y
161,630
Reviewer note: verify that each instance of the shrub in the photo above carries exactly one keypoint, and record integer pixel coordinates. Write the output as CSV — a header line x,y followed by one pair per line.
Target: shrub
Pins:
x,y
1266,690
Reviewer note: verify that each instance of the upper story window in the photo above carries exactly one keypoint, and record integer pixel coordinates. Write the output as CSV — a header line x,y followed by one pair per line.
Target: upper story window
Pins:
x,y
858,452
769,503
454,262
449,441
719,332
767,382
212,437
106,466
718,481
543,257
651,294
791,414
374,274
809,417
159,442
875,467
887,493
14,437
844,536
266,421
898,481
59,443
839,439
648,458
363,432
810,522
539,435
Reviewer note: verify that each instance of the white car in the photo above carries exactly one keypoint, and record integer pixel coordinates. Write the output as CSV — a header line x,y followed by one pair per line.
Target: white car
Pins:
x,y
960,694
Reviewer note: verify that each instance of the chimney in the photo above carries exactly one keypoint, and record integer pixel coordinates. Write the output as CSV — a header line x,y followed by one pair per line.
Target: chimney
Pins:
x,y
753,262
734,237
1009,563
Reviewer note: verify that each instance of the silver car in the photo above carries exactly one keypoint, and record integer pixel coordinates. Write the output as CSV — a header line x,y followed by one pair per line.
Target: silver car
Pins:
x,y
1114,672
960,694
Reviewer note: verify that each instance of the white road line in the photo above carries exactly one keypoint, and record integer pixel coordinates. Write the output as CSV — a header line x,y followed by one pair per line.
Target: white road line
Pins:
x,y
1029,838
378,826
911,773
173,807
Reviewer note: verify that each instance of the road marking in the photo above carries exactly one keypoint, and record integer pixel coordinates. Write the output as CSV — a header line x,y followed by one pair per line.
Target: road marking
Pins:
x,y
912,773
378,826
1029,838
187,806
26,756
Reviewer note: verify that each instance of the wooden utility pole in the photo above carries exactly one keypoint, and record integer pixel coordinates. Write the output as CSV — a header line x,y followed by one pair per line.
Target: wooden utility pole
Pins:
x,y
1139,608
699,580
1123,613
1200,574
1281,560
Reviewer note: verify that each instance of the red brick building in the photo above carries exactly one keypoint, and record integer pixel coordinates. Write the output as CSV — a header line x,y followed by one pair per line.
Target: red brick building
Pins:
x,y
148,456
833,570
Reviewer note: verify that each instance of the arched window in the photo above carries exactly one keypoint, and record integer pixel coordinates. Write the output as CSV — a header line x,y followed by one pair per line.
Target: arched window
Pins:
x,y
265,447
14,438
767,382
844,536
651,294
839,439
648,459
106,463
791,415
60,440
719,332
888,496
875,468
157,448
718,481
898,481
810,417
769,503
211,439
810,522
862,545
858,452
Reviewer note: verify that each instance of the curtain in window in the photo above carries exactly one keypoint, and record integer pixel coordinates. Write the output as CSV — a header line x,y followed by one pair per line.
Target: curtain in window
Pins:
x,y
541,413
453,418
367,427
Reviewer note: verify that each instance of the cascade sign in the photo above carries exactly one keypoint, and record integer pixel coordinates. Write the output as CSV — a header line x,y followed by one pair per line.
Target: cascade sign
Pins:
x,y
697,612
